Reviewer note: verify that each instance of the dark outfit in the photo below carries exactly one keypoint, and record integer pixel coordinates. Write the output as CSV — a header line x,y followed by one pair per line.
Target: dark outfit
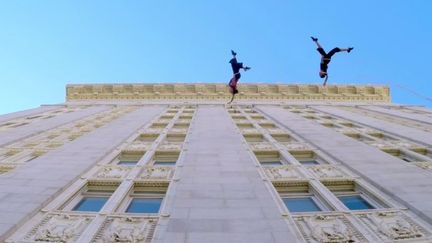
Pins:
x,y
326,57
236,66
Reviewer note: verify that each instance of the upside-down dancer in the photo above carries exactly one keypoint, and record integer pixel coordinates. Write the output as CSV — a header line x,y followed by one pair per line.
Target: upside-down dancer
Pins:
x,y
326,58
236,66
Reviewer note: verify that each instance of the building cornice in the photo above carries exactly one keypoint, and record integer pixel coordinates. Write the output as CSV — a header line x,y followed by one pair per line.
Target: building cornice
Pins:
x,y
201,91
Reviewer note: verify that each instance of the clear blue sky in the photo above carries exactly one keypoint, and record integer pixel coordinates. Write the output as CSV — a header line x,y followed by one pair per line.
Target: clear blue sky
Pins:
x,y
47,44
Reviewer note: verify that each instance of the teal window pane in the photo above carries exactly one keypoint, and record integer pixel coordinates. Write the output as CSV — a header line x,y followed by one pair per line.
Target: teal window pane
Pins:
x,y
127,162
271,163
90,204
355,202
304,204
144,205
309,162
161,163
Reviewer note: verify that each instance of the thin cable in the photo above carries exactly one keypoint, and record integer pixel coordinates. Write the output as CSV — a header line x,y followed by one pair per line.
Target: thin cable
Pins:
x,y
414,92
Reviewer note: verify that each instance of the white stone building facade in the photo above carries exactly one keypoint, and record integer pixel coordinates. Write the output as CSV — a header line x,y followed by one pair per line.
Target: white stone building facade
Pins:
x,y
175,163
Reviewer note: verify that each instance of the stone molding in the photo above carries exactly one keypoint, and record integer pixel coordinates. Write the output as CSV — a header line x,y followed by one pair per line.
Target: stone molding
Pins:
x,y
177,91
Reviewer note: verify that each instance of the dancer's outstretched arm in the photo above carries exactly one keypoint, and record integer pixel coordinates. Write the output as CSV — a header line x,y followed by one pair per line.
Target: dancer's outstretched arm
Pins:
x,y
325,80
316,41
232,98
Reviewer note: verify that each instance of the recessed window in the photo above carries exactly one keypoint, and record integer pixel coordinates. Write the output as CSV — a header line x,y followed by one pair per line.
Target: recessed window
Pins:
x,y
310,162
355,202
128,158
164,163
301,204
271,163
144,205
90,204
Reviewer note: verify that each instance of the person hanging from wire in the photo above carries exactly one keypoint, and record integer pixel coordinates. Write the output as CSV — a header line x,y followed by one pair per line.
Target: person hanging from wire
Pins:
x,y
326,58
236,66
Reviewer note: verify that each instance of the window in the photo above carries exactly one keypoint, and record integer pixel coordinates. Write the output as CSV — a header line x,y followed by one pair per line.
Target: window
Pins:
x,y
309,162
355,202
90,204
354,195
301,204
271,163
144,205
128,158
164,163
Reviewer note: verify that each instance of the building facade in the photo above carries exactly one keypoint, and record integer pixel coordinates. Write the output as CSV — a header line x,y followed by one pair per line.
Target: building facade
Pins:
x,y
175,163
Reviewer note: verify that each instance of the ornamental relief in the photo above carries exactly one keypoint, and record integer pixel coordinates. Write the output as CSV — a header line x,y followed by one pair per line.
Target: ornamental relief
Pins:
x,y
261,146
157,173
170,146
393,226
58,228
249,131
328,228
139,146
126,230
284,172
424,165
296,146
327,172
112,172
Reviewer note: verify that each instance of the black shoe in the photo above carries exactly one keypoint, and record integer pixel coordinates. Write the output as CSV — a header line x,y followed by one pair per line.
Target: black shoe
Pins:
x,y
350,49
246,68
233,53
314,39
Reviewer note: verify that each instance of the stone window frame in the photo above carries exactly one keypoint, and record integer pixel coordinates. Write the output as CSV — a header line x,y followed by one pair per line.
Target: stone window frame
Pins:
x,y
302,189
270,156
143,190
306,155
355,188
165,156
90,189
128,154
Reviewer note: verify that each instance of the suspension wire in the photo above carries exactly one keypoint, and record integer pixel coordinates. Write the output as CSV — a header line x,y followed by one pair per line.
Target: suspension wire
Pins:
x,y
413,92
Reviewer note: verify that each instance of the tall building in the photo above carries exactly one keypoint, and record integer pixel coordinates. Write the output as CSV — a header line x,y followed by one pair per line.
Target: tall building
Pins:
x,y
174,163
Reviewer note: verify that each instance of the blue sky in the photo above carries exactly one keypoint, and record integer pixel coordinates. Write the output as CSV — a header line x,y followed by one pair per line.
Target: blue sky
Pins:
x,y
47,44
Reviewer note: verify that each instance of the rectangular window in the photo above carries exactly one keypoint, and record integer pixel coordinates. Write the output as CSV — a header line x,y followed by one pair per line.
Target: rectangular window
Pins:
x,y
309,162
164,163
127,162
355,202
144,205
90,204
301,204
271,163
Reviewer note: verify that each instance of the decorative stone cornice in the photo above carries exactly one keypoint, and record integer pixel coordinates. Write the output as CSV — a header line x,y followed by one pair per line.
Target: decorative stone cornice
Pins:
x,y
177,91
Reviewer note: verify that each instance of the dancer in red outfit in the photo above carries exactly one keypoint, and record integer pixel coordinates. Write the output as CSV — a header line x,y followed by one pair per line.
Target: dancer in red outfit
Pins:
x,y
236,66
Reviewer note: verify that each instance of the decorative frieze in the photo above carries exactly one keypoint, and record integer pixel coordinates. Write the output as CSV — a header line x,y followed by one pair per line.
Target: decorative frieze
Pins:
x,y
58,228
296,145
117,229
112,172
157,173
331,228
394,226
220,92
286,172
327,172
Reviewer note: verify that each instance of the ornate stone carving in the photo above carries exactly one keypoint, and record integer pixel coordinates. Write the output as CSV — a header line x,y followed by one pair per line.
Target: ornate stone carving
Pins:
x,y
285,172
393,226
424,165
275,130
112,172
296,146
138,145
249,131
261,146
327,172
58,228
170,146
157,173
328,228
126,230
220,91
